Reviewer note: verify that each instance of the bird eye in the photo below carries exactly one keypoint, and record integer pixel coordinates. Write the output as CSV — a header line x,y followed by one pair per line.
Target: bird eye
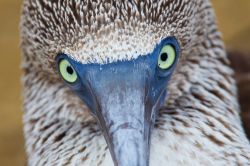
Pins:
x,y
167,57
67,71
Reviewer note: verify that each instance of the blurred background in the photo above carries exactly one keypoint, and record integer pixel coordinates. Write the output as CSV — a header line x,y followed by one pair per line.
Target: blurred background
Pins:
x,y
233,19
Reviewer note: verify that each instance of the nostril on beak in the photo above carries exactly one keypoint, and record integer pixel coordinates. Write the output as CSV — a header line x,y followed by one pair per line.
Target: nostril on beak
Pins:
x,y
125,126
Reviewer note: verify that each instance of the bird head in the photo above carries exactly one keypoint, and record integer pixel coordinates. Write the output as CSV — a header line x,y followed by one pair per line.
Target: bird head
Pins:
x,y
117,57
124,96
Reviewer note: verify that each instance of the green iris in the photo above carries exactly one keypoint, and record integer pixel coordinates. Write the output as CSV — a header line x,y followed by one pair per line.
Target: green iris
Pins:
x,y
67,71
167,57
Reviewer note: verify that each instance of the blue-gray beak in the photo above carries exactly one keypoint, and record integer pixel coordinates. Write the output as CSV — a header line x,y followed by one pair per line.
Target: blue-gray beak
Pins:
x,y
124,97
125,114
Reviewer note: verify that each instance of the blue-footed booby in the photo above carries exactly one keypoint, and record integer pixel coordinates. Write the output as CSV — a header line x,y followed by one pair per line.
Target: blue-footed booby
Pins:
x,y
128,83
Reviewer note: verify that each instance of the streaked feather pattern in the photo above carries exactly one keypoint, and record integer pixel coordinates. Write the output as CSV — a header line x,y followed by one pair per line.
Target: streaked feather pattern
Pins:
x,y
199,124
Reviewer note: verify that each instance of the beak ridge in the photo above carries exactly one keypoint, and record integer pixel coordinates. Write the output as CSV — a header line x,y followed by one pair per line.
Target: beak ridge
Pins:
x,y
126,125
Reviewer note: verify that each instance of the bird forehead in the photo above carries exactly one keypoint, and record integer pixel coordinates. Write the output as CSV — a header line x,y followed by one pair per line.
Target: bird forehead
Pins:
x,y
103,31
119,45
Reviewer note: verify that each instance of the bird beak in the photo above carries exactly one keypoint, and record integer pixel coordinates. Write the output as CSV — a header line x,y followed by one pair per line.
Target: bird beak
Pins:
x,y
125,116
124,101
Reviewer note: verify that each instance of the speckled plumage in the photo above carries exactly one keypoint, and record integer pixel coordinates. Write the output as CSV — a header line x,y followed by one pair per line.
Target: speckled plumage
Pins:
x,y
199,124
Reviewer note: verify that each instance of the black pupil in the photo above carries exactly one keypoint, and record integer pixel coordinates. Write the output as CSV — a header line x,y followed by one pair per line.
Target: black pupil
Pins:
x,y
164,56
70,70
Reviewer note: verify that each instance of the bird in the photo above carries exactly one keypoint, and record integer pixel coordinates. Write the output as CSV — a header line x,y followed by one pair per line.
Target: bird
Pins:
x,y
128,83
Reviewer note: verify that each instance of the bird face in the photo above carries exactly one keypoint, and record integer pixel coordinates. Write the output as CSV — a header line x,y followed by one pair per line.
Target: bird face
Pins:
x,y
124,96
